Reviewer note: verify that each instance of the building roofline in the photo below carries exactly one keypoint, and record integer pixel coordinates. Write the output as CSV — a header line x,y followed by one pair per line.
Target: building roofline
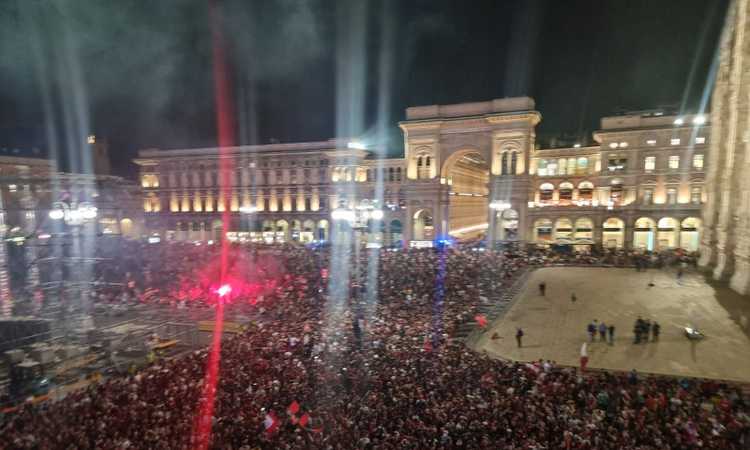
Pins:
x,y
330,144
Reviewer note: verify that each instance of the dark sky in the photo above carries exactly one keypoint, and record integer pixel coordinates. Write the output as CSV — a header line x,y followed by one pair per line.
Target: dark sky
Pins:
x,y
139,72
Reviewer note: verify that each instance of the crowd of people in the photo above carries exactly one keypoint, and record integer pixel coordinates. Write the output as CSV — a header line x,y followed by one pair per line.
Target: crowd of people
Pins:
x,y
373,365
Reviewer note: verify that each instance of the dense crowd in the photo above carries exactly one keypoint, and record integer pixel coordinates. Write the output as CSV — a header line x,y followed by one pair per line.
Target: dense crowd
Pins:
x,y
375,367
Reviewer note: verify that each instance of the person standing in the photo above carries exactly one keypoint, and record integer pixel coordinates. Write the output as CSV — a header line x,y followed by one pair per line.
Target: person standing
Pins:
x,y
591,329
656,330
603,332
611,334
519,336
542,288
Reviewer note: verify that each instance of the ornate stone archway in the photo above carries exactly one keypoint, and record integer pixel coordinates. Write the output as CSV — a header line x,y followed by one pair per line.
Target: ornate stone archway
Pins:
x,y
500,132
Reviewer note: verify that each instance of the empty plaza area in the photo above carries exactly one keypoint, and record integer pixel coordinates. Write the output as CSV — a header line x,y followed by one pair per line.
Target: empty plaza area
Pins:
x,y
555,326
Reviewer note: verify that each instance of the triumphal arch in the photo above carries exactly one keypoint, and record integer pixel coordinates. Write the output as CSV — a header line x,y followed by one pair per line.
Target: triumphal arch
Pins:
x,y
467,168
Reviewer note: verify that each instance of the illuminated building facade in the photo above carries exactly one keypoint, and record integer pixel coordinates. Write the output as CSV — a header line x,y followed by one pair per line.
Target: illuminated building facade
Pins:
x,y
469,170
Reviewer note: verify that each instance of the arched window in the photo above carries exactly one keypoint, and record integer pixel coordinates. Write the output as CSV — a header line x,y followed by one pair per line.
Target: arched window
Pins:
x,y
585,191
419,161
398,174
566,192
543,230
504,164
513,162
427,161
545,192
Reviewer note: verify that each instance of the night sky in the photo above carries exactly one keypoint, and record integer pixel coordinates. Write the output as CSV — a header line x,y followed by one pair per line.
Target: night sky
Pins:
x,y
139,72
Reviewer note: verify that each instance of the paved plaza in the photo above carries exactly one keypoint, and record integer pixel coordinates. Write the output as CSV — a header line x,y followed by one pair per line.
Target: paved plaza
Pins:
x,y
555,327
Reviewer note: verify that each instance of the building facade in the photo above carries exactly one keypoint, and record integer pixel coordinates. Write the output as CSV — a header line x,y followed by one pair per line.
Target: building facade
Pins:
x,y
468,170
725,247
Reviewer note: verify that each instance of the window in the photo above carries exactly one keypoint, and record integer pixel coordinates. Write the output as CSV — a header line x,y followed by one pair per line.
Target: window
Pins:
x,y
583,164
649,163
541,169
651,141
552,168
513,163
700,140
504,164
617,163
696,195
674,162
674,141
566,192
545,192
648,196
698,162
671,196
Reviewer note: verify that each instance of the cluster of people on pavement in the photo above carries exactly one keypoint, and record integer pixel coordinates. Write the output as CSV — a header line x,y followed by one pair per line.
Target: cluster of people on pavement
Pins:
x,y
373,363
645,331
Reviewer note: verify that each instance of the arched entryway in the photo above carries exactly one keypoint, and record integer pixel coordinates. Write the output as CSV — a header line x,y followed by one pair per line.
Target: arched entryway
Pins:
x,y
543,230
564,231
667,233
282,231
423,227
467,173
127,229
584,231
690,234
613,233
644,234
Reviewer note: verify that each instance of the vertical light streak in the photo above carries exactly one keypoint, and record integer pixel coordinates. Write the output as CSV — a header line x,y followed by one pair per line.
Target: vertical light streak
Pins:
x,y
225,128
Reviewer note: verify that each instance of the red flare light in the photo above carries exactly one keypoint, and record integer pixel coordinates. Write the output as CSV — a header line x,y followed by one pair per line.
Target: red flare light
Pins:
x,y
224,290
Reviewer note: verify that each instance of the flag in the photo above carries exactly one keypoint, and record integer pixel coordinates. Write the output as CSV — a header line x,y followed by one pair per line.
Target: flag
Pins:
x,y
293,408
304,420
149,293
481,320
271,423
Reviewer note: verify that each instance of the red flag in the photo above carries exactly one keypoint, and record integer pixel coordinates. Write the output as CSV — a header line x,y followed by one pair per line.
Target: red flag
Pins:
x,y
293,408
304,419
481,320
271,423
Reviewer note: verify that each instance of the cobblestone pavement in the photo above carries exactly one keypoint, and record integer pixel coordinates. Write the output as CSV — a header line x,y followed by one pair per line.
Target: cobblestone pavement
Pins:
x,y
555,328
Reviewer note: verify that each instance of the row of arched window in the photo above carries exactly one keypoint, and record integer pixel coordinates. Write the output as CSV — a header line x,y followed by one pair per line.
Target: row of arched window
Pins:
x,y
647,233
